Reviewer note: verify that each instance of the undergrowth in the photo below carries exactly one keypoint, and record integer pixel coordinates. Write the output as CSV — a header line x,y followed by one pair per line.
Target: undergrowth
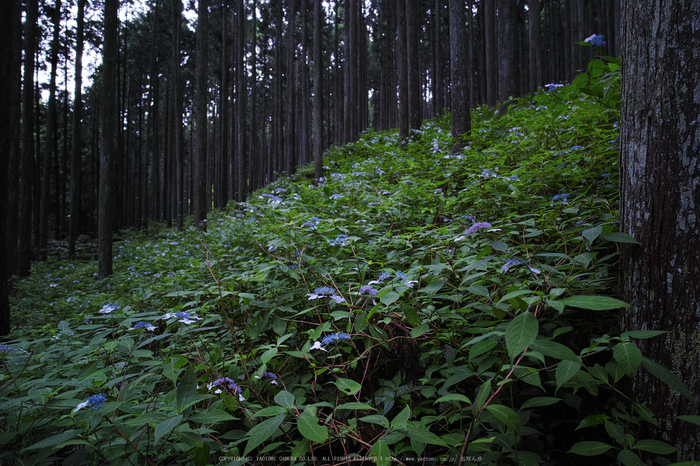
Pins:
x,y
414,306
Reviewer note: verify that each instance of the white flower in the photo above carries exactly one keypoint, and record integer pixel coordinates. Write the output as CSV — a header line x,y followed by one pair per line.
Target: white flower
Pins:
x,y
317,345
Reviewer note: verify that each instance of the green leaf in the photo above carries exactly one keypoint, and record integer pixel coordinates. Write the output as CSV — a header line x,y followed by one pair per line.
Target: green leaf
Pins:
x,y
55,439
615,432
566,370
420,330
399,422
589,448
593,302
186,390
592,233
421,434
261,432
628,458
389,297
452,397
666,376
347,386
689,418
629,356
267,355
482,395
506,415
380,450
619,237
520,333
554,350
376,419
654,446
539,401
643,333
514,294
211,416
310,428
284,399
411,315
166,426
499,246
355,405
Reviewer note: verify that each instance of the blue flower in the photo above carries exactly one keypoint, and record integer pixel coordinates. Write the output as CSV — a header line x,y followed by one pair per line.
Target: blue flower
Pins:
x,y
514,177
336,196
560,197
400,275
268,375
334,338
550,87
95,400
184,317
596,39
384,276
272,198
226,384
8,349
477,226
368,290
340,240
325,292
517,262
143,325
107,308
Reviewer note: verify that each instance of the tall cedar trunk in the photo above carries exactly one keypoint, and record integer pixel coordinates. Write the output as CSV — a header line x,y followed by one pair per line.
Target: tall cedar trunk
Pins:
x,y
27,168
108,141
50,145
349,71
413,70
491,45
177,113
461,121
200,163
507,53
401,68
304,155
318,90
290,155
660,203
14,111
535,45
256,167
439,104
242,177
8,22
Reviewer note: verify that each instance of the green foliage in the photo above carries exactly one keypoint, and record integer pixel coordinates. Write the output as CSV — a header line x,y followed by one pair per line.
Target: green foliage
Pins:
x,y
416,303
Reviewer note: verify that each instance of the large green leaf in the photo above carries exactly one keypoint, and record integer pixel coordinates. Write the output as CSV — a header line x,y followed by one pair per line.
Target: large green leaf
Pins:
x,y
261,432
419,433
539,401
590,448
506,415
284,399
566,370
166,426
310,428
520,333
619,237
691,419
389,297
554,350
55,439
211,416
376,419
381,452
347,386
187,389
593,302
654,446
666,376
629,356
355,405
592,233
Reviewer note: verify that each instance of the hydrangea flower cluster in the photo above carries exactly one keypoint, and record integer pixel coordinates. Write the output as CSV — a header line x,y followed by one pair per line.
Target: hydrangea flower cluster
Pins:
x,y
8,349
228,385
108,308
560,197
312,223
368,290
476,227
517,262
143,325
333,338
272,199
340,240
325,292
268,375
95,400
183,317
596,39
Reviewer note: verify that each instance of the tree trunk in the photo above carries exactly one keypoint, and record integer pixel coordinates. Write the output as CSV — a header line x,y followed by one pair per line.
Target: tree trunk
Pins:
x,y
200,162
177,123
535,45
660,204
461,121
507,54
413,66
50,145
8,22
242,177
108,141
491,46
27,168
401,68
318,90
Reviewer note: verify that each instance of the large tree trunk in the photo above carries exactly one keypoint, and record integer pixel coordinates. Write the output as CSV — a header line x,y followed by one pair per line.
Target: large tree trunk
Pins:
x,y
491,47
242,158
290,153
75,170
27,168
402,68
8,22
413,71
318,90
200,163
507,53
177,123
108,141
461,121
535,45
660,203
50,146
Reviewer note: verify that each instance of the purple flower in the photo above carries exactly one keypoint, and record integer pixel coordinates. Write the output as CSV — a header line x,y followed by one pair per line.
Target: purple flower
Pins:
x,y
596,39
477,226
368,290
95,400
228,385
334,338
268,375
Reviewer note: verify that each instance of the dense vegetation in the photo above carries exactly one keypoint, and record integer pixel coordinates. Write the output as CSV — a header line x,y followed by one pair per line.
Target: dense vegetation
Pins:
x,y
413,305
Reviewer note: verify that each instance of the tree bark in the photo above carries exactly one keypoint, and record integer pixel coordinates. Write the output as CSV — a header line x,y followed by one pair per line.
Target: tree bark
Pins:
x,y
507,56
108,141
75,168
535,32
660,204
318,90
200,162
413,71
461,119
177,123
491,46
402,68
